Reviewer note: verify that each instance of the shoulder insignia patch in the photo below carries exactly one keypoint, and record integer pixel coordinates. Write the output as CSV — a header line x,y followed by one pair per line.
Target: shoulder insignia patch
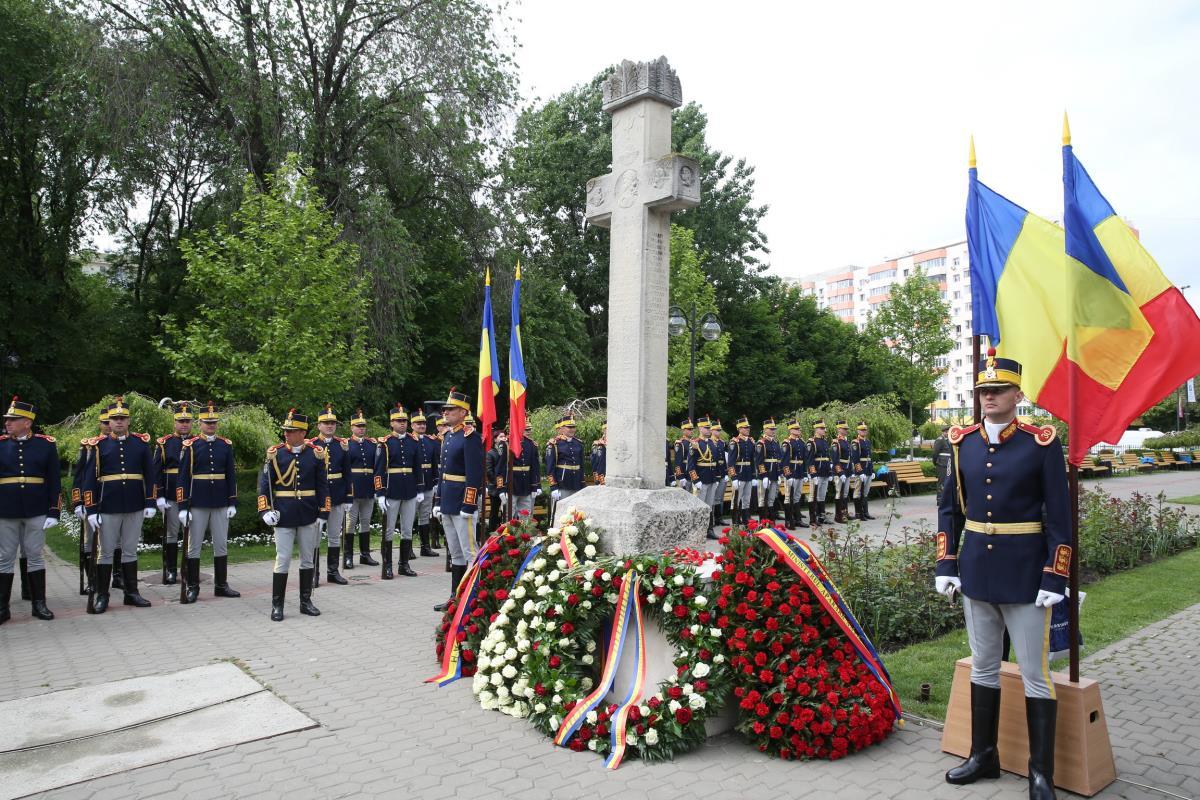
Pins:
x,y
1042,434
188,442
343,441
86,441
1062,561
317,449
226,441
163,439
959,432
145,437
50,439
273,449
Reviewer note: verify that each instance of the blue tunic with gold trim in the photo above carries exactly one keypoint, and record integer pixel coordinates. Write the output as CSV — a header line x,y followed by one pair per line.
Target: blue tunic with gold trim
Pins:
x,y
29,479
461,472
1004,525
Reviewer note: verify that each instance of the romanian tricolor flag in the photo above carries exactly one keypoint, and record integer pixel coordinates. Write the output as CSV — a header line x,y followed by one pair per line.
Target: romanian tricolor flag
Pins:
x,y
516,373
1101,333
489,383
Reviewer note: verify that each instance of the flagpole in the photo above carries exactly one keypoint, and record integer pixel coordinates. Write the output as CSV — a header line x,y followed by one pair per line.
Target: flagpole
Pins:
x,y
976,408
1073,580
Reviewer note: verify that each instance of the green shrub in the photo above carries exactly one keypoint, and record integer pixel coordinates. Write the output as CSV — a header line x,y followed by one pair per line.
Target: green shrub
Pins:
x,y
1188,438
1121,533
930,430
888,427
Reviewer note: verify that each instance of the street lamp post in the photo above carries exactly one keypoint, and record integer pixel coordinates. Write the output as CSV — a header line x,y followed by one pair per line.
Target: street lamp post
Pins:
x,y
710,329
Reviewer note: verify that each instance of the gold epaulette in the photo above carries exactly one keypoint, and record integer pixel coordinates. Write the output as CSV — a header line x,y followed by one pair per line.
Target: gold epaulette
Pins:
x,y
226,441
188,442
145,437
1042,434
163,439
50,439
958,432
273,449
316,448
343,441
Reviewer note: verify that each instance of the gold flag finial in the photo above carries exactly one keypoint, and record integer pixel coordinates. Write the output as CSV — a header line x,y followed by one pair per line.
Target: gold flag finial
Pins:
x,y
518,269
1066,130
971,156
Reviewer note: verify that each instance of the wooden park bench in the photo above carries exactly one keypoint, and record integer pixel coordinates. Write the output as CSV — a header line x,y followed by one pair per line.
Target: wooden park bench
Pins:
x,y
1167,460
1134,463
909,474
1092,467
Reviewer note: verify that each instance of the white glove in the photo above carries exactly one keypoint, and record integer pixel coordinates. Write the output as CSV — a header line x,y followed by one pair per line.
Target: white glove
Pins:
x,y
699,486
1047,599
420,497
149,513
947,584
537,492
465,514
162,504
80,512
322,525
346,507
382,503
670,483
94,520
502,498
437,512
765,483
49,523
555,494
230,512
186,516
271,518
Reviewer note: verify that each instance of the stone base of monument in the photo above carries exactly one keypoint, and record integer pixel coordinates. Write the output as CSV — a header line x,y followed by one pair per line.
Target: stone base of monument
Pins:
x,y
1083,756
637,521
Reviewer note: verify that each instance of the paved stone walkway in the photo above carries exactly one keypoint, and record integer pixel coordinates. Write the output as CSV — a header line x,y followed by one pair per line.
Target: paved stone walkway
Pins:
x,y
358,671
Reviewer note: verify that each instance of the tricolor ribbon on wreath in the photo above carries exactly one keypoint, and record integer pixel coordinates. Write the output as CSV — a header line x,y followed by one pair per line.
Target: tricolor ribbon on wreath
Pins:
x,y
627,630
532,554
465,600
804,562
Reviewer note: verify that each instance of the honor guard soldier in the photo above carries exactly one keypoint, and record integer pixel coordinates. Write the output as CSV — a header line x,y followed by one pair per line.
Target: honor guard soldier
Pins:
x,y
683,449
293,498
564,464
398,482
526,477
361,450
704,472
430,446
119,493
206,497
166,466
87,559
721,448
740,461
768,467
341,494
864,470
459,487
820,470
842,469
795,475
496,464
29,503
600,456
1004,542
941,460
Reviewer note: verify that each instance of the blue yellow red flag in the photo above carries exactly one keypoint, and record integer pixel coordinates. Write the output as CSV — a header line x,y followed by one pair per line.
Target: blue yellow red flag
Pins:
x,y
489,383
517,392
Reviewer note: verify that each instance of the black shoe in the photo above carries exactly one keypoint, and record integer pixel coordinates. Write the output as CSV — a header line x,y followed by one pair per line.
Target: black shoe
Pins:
x,y
456,576
103,579
118,577
37,592
132,598
426,541
6,582
24,570
191,577
440,607
364,550
1041,715
306,583
406,553
170,553
385,553
984,761
278,587
221,578
331,566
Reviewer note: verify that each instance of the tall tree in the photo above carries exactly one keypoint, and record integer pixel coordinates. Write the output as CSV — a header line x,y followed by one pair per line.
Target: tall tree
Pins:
x,y
695,295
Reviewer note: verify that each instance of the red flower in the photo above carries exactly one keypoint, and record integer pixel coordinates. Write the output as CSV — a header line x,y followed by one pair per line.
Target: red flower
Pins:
x,y
567,629
679,611
654,702
683,715
555,662
675,692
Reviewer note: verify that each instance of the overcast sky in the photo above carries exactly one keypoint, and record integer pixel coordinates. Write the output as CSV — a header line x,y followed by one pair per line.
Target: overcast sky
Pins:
x,y
857,115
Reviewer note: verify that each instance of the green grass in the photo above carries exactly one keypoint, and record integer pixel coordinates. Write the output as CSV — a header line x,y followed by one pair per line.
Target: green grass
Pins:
x,y
1191,499
1116,606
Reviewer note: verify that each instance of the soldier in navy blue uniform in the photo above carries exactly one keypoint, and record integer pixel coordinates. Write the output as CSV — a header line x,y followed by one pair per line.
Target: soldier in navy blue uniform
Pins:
x,y
398,482
496,468
459,486
30,501
206,496
739,461
341,494
361,450
600,456
795,475
820,471
166,465
293,498
526,477
564,464
721,445
768,467
119,493
704,472
864,470
1004,542
87,561
430,447
683,447
842,470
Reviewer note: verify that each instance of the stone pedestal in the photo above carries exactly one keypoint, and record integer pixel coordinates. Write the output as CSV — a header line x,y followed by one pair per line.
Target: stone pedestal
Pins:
x,y
637,521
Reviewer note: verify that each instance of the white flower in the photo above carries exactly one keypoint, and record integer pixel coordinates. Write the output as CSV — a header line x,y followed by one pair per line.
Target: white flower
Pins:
x,y
554,723
570,530
501,620
562,563
485,696
543,590
509,605
701,670
528,607
510,653
650,598
631,738
606,577
523,645
553,548
591,744
695,630
688,688
587,586
716,632
645,710
559,686
489,705
537,564
591,647
701,600
679,580
659,582
587,522
696,701
538,580
482,664
719,658
564,642
522,626
674,706
536,622
497,679
556,699
593,537
591,718
589,550
519,592
554,576
652,737
586,658
666,607
502,692
540,708
509,671
586,604
549,626
585,684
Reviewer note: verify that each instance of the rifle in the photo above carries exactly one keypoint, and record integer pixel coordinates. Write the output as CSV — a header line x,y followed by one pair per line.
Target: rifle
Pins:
x,y
82,554
184,544
95,576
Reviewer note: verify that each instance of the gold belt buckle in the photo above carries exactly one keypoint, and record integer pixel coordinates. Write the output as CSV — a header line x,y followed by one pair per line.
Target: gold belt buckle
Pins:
x,y
989,528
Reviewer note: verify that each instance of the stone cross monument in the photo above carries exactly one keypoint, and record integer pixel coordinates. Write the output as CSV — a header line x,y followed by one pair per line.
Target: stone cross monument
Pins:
x,y
635,201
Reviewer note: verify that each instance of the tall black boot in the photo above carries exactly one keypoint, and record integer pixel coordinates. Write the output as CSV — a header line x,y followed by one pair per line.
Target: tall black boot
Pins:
x,y
6,582
221,586
799,506
385,555
118,576
364,549
348,551
1041,715
812,514
170,573
306,585
37,592
456,575
406,552
132,598
25,595
191,579
866,510
984,761
427,541
331,566
821,512
103,579
278,588
88,567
